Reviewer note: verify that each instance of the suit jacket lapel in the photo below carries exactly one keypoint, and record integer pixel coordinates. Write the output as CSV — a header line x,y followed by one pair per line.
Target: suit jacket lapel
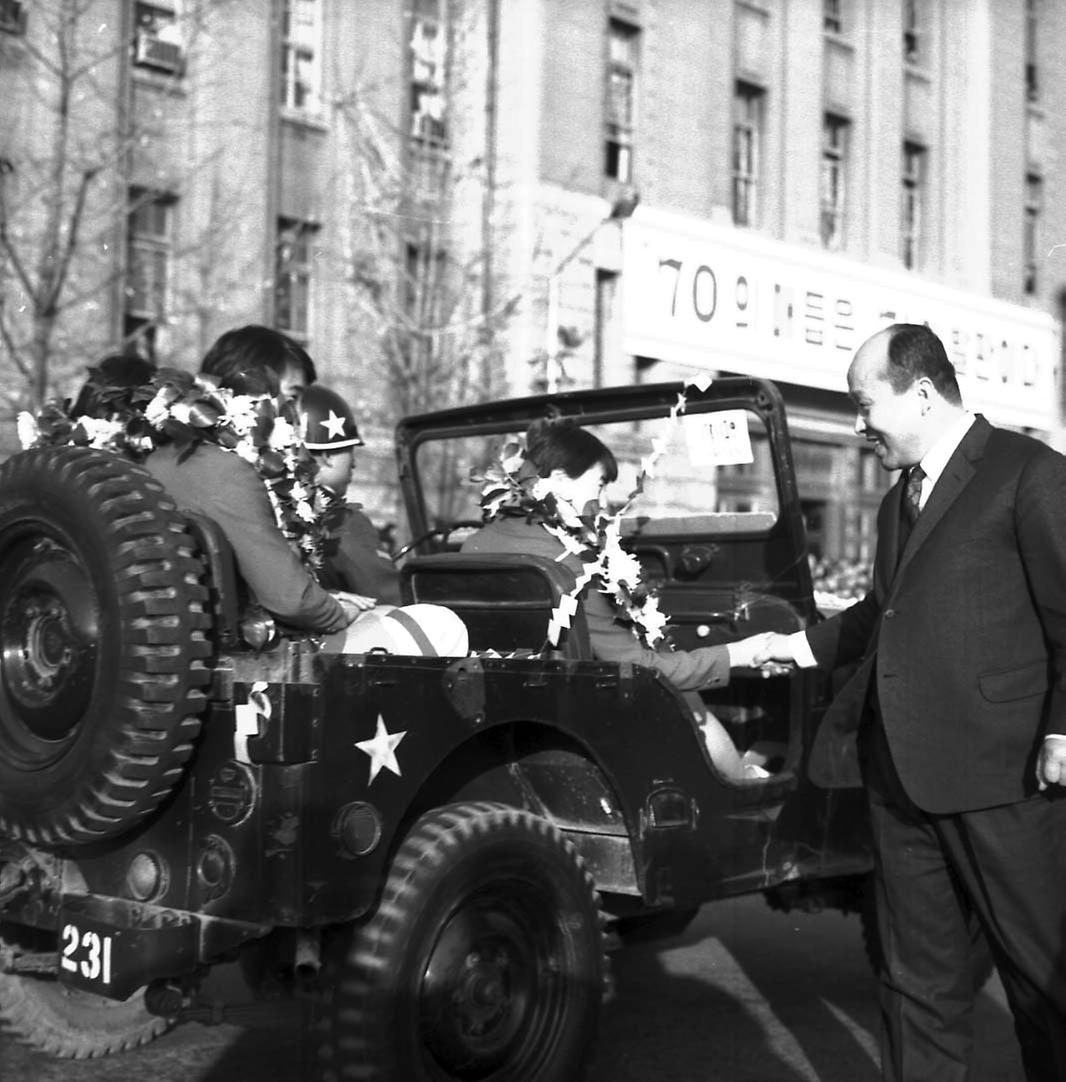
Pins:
x,y
957,473
891,527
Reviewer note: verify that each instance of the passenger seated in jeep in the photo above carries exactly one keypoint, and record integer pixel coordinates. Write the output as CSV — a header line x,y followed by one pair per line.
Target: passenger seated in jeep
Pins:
x,y
228,489
353,560
569,468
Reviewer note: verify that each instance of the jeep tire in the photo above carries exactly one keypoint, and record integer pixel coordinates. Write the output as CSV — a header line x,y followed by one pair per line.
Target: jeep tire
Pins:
x,y
484,960
102,645
67,1022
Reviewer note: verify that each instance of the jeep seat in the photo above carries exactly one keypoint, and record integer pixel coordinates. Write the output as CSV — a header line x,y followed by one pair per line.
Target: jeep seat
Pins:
x,y
506,599
224,583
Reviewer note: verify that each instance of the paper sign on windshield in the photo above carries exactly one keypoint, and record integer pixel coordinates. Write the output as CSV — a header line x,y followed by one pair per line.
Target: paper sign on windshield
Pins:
x,y
718,439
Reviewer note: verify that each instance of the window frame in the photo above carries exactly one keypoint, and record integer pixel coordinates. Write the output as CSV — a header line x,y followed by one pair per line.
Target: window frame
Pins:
x,y
428,53
148,248
621,83
158,43
833,186
13,17
913,36
1032,37
833,17
913,175
749,118
294,277
300,63
1034,205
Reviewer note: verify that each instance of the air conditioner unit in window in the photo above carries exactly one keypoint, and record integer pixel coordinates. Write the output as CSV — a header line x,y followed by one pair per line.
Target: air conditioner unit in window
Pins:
x,y
12,17
154,52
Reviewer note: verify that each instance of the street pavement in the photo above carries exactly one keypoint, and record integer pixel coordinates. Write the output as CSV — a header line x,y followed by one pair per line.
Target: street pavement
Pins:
x,y
747,994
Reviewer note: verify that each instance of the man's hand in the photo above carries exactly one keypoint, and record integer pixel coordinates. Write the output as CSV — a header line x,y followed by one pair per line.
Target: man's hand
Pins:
x,y
354,605
1051,762
775,647
744,651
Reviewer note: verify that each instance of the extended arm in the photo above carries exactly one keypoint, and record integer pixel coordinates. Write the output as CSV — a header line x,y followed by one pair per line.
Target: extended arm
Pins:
x,y
1040,526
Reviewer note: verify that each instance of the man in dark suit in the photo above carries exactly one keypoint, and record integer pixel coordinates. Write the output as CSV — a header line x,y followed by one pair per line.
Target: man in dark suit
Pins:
x,y
957,700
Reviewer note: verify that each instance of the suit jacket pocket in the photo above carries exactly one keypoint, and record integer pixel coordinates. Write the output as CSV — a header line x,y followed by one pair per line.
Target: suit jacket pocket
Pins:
x,y
1009,684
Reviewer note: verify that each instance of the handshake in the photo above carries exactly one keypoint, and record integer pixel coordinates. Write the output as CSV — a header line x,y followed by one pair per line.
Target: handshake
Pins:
x,y
770,651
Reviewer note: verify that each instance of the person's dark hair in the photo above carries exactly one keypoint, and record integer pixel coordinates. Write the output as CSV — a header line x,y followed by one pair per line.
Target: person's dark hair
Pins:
x,y
239,358
563,445
102,393
915,351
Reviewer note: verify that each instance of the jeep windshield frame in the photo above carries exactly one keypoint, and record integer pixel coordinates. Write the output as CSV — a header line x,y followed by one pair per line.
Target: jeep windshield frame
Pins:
x,y
764,553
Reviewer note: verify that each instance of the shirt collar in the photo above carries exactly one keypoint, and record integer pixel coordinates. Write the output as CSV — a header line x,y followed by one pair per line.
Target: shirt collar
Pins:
x,y
936,458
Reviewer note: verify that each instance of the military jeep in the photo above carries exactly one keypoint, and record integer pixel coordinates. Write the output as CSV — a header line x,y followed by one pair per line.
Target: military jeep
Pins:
x,y
429,855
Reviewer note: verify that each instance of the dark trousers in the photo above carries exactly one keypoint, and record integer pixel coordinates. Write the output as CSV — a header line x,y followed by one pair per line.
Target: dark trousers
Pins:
x,y
1003,868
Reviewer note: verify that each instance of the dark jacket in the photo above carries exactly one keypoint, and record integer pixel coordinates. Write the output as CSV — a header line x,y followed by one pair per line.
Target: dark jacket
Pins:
x,y
354,560
966,637
227,489
706,667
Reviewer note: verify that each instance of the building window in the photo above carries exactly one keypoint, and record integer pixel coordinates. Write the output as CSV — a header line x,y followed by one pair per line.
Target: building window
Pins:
x,y
1032,27
913,43
1034,192
622,41
148,254
834,180
157,37
292,278
911,219
833,16
12,17
429,73
301,55
747,140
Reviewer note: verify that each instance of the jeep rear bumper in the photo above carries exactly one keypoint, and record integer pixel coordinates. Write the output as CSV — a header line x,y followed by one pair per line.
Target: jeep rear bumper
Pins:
x,y
112,947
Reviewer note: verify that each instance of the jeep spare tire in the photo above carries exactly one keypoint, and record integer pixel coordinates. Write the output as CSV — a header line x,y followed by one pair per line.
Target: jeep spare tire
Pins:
x,y
102,645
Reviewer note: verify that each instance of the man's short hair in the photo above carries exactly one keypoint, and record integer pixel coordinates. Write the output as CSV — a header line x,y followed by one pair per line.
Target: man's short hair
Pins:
x,y
253,359
914,352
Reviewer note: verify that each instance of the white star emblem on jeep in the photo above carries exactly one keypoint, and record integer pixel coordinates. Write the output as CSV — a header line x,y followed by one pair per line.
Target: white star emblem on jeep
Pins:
x,y
382,749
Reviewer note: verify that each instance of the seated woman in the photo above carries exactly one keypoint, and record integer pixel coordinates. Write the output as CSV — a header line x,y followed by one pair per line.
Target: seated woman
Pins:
x,y
209,467
573,467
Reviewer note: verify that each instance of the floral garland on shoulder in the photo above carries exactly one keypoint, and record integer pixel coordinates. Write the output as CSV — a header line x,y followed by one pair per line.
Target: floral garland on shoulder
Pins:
x,y
507,487
596,541
176,407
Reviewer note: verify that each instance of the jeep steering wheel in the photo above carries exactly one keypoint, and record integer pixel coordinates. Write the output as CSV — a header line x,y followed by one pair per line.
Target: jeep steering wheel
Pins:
x,y
443,531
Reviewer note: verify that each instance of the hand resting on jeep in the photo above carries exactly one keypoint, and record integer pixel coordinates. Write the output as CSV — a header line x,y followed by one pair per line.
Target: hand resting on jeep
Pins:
x,y
211,479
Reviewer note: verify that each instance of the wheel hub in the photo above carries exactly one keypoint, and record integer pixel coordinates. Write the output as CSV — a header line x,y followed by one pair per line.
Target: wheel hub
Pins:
x,y
480,987
50,645
49,625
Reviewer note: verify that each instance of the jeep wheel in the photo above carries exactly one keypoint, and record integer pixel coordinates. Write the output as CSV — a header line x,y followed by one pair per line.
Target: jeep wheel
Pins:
x,y
102,645
63,1021
484,960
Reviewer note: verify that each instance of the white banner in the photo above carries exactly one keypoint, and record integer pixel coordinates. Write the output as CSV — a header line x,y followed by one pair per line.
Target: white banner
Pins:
x,y
718,298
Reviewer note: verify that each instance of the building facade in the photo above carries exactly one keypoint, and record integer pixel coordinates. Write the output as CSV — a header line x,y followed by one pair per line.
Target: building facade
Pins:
x,y
455,199
808,172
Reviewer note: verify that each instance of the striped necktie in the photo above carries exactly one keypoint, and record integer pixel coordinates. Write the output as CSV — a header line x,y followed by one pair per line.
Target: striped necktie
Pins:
x,y
909,508
912,495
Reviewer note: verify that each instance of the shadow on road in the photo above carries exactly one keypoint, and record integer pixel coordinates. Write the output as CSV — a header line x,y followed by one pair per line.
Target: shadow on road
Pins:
x,y
691,1010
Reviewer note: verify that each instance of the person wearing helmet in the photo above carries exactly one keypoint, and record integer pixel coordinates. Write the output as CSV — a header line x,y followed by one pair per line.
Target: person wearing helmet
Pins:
x,y
354,562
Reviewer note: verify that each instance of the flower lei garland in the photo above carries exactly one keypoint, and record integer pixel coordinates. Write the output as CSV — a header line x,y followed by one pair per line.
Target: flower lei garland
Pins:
x,y
176,407
596,542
